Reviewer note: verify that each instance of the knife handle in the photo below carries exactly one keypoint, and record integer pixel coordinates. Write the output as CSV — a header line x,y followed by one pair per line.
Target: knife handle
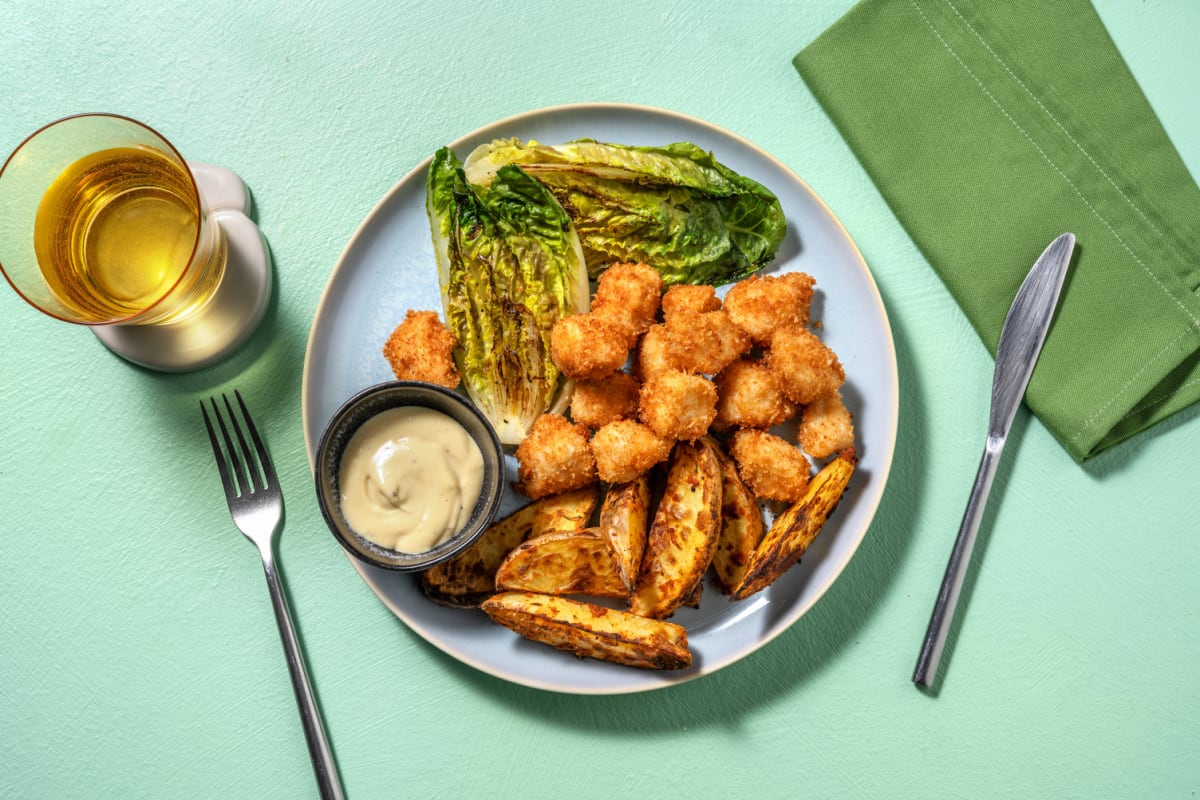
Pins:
x,y
956,569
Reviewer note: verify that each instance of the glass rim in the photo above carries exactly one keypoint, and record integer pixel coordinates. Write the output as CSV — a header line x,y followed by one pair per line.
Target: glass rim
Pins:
x,y
195,191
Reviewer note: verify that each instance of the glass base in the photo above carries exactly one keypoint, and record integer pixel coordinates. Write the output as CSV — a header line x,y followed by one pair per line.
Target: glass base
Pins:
x,y
235,309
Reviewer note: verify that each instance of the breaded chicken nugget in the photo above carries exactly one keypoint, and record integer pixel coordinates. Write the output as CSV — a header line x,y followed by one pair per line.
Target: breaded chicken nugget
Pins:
x,y
657,351
806,367
678,405
697,298
597,403
628,294
420,349
555,457
625,449
761,304
588,346
749,395
770,466
707,341
826,426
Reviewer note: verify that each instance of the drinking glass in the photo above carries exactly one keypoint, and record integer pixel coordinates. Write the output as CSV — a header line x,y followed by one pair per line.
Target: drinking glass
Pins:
x,y
106,225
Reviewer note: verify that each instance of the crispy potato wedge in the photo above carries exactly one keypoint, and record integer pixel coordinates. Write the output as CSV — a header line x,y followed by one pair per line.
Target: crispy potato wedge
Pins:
x,y
741,527
623,519
683,538
592,631
469,578
562,562
569,511
795,529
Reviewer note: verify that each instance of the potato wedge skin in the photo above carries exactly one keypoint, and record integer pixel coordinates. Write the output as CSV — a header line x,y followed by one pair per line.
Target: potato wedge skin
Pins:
x,y
795,529
683,537
741,527
623,519
591,631
562,562
469,578
569,511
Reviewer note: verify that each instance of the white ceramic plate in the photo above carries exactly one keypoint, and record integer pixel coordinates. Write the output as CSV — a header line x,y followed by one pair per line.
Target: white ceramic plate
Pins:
x,y
389,267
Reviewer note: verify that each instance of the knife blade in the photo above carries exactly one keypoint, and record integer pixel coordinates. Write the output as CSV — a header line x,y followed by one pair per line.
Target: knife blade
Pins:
x,y
1021,339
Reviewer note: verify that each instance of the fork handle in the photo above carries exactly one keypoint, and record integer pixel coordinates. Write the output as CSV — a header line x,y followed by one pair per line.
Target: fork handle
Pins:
x,y
310,714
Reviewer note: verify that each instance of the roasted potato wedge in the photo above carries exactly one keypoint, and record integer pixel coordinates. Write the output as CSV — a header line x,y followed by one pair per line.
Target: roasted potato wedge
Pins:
x,y
562,562
469,578
741,527
683,538
795,529
623,519
569,511
592,631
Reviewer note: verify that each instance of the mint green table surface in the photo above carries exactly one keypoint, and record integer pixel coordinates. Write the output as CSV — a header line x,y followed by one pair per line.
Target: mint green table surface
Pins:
x,y
139,653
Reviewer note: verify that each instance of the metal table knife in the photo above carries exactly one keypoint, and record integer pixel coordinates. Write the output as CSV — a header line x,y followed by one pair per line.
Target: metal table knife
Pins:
x,y
1020,343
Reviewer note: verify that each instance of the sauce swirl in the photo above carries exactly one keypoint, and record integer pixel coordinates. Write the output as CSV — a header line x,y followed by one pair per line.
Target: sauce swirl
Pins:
x,y
410,478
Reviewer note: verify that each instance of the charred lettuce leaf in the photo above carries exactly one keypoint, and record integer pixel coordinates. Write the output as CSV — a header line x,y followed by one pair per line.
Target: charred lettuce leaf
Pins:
x,y
674,207
509,266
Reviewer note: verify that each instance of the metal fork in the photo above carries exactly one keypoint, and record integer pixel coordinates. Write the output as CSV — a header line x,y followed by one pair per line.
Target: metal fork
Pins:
x,y
256,505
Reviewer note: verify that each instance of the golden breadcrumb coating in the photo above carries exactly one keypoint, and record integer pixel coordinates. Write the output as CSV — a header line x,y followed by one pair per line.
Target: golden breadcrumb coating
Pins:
x,y
625,449
678,405
555,457
749,395
697,298
421,349
702,342
806,367
657,352
761,304
597,403
628,294
691,373
588,346
707,341
772,467
826,426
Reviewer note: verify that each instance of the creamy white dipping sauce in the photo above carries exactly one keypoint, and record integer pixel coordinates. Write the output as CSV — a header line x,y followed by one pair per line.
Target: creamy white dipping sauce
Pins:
x,y
410,478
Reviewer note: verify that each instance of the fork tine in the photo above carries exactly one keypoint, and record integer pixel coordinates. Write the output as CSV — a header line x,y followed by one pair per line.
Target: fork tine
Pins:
x,y
243,486
253,477
222,467
264,458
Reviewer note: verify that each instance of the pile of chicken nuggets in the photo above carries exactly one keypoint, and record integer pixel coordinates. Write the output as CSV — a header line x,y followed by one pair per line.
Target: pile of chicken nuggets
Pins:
x,y
651,368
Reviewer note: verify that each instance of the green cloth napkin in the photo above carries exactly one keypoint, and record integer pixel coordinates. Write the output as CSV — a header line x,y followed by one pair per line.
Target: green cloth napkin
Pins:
x,y
992,127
